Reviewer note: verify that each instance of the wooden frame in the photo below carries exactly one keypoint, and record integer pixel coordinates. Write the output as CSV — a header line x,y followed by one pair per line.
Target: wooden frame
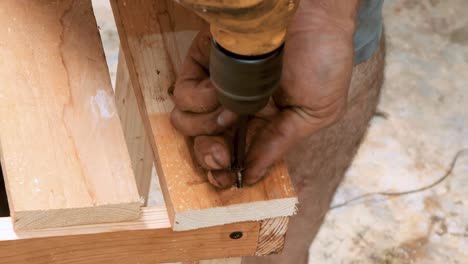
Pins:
x,y
147,240
155,36
151,237
62,147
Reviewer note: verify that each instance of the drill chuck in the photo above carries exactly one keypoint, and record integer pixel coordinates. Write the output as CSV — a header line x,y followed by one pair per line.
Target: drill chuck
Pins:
x,y
245,83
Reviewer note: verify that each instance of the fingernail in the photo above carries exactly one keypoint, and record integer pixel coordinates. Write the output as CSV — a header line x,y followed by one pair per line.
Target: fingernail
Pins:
x,y
210,161
256,177
226,118
212,180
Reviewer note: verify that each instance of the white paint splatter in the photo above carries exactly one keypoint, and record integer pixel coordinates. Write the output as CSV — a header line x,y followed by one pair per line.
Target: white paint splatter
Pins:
x,y
103,103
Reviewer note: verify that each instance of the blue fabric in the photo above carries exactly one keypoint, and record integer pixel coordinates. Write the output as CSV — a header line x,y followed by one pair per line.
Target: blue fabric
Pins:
x,y
369,29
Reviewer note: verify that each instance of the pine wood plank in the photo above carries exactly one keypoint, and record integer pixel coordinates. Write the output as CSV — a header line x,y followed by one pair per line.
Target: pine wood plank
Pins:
x,y
271,239
155,36
134,130
147,240
62,146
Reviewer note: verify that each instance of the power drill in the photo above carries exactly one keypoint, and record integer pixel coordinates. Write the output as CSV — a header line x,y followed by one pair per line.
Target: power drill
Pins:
x,y
246,58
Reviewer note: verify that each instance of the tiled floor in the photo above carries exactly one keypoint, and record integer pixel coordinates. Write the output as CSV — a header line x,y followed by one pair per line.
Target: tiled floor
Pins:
x,y
414,140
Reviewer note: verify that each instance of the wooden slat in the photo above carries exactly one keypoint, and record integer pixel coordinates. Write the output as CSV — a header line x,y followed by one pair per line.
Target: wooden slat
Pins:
x,y
134,130
155,36
147,240
62,146
271,239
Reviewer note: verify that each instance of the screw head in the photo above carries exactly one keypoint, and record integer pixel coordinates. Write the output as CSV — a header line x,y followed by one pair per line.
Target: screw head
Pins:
x,y
236,235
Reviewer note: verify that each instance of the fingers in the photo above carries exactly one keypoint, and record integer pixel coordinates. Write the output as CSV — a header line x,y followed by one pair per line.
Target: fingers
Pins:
x,y
198,113
212,153
199,54
192,124
193,90
272,142
222,179
269,111
194,95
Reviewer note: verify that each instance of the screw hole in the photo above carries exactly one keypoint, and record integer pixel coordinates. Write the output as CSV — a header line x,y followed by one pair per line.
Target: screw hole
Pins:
x,y
236,235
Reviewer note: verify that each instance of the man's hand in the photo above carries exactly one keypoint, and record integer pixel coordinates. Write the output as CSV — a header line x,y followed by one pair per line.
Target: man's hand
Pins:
x,y
318,62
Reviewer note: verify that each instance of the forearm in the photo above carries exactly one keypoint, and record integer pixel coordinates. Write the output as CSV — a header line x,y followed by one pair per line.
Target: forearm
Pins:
x,y
330,15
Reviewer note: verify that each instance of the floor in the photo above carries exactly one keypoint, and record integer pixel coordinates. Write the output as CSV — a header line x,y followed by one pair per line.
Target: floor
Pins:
x,y
405,198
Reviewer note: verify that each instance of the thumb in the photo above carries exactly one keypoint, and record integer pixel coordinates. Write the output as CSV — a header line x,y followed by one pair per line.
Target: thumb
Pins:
x,y
273,141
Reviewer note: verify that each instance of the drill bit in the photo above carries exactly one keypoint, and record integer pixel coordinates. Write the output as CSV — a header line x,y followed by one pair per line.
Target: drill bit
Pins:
x,y
238,148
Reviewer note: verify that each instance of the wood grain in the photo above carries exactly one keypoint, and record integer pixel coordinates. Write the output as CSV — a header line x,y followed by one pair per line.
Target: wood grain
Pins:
x,y
272,236
62,146
155,36
134,130
147,240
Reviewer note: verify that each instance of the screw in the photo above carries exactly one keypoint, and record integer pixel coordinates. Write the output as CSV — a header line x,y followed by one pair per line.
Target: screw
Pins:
x,y
236,235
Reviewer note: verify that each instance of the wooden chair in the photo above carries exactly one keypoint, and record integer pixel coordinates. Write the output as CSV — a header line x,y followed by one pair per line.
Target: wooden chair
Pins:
x,y
77,159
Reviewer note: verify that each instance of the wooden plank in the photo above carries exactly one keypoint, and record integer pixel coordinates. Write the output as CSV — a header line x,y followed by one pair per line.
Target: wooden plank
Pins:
x,y
271,239
62,146
134,130
147,240
155,36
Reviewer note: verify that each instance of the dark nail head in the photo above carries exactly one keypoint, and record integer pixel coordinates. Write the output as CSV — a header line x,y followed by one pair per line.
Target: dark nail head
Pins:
x,y
236,235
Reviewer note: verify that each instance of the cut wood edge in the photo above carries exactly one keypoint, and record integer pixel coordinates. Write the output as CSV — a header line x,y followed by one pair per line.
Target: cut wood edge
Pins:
x,y
257,211
28,220
150,218
138,145
272,236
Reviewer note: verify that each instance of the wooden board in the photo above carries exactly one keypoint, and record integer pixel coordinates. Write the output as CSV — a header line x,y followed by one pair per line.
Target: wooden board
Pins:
x,y
63,152
155,36
134,130
271,239
147,240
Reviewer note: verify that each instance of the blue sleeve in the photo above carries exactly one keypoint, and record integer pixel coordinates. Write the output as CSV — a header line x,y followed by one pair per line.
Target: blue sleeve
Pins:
x,y
369,29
